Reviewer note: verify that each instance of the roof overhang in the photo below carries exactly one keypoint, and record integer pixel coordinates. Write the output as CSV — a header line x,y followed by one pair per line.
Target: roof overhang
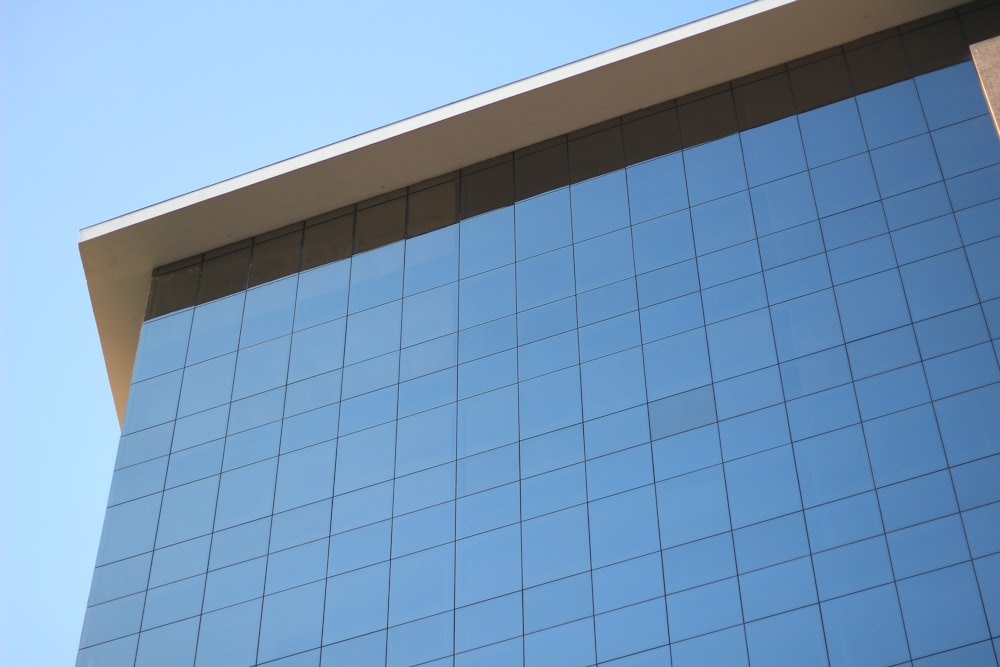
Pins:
x,y
119,255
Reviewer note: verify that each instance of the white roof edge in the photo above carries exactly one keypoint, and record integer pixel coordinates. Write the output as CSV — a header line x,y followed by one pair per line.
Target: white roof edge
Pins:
x,y
432,116
119,254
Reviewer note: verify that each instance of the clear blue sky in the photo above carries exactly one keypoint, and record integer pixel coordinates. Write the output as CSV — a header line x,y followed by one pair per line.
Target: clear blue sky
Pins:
x,y
110,106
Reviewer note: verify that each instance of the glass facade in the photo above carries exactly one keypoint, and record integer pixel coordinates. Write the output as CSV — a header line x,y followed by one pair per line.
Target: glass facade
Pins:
x,y
735,404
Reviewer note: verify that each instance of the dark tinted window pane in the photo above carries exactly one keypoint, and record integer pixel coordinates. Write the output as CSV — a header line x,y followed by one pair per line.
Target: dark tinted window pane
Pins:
x,y
224,273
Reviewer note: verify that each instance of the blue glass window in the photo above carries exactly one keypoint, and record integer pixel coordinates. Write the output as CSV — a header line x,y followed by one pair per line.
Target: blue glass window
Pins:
x,y
806,325
704,609
296,566
187,511
356,602
163,344
291,621
969,423
544,278
942,610
613,540
239,543
549,402
229,634
620,471
815,372
783,204
872,305
654,187
714,169
754,432
865,628
741,344
488,565
982,258
728,264
916,206
677,364
725,647
612,383
950,95
486,297
425,639
628,582
553,491
927,546
832,466
843,185
772,151
431,260
542,223
951,331
722,222
663,284
301,524
617,431
789,245
169,644
692,506
606,337
603,260
686,452
240,496
632,629
234,584
832,132
267,312
421,584
557,602
926,239
938,284
906,165
883,352
794,638
662,241
571,645
967,146
215,328
699,562
891,113
322,294
430,314
373,332
486,242
487,622
762,486
487,421
921,499
852,568
844,521
797,278
895,390
261,367
749,392
600,205
555,545
376,277
179,561
111,620
903,445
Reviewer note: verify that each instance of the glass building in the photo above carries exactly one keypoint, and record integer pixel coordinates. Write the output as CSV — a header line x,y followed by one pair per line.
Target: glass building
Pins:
x,y
713,382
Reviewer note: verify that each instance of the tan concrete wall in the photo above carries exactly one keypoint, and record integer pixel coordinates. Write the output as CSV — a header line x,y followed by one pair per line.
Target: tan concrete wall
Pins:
x,y
986,55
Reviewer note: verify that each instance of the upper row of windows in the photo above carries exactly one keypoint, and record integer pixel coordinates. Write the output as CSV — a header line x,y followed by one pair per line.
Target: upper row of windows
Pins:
x,y
860,68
